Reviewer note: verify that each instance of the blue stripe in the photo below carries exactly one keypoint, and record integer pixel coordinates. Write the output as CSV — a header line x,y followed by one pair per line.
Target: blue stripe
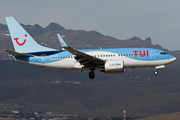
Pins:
x,y
44,53
121,51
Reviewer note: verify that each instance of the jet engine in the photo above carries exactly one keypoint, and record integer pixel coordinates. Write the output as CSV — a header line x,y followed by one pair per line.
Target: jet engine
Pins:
x,y
113,67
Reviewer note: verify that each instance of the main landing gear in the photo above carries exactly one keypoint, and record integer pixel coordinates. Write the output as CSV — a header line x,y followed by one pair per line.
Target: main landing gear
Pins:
x,y
91,74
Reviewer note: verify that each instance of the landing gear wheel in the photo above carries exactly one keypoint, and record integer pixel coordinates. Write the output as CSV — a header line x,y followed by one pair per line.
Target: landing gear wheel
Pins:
x,y
156,72
91,75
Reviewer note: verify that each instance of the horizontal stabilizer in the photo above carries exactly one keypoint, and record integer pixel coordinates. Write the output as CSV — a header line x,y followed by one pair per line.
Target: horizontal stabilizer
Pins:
x,y
16,53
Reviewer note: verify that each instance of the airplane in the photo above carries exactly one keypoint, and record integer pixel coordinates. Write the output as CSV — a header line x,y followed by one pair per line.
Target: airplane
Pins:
x,y
109,61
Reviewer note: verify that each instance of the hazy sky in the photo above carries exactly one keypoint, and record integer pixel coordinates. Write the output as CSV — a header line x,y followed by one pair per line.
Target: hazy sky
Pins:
x,y
122,19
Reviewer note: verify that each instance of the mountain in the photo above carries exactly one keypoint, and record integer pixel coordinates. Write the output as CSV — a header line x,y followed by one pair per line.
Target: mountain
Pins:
x,y
79,39
137,90
53,27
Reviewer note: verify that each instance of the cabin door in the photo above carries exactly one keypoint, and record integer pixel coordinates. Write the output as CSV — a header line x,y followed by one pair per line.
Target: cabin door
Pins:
x,y
43,59
152,54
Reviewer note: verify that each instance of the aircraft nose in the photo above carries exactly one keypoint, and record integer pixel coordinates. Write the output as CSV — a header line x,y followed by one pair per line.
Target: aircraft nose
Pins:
x,y
172,59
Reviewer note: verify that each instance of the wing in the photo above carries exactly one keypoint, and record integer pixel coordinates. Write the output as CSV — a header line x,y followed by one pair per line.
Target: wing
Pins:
x,y
83,58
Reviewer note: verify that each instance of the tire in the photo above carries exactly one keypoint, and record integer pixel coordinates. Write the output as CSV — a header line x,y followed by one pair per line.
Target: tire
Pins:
x,y
91,75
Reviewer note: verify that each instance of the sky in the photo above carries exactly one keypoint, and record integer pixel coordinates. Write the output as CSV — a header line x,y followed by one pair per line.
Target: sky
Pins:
x,y
122,19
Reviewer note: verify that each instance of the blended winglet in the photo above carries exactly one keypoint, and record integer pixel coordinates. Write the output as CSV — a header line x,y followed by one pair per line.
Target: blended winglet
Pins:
x,y
63,43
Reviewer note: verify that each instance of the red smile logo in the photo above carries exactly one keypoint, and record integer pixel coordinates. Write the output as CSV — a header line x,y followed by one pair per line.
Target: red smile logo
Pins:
x,y
62,43
20,44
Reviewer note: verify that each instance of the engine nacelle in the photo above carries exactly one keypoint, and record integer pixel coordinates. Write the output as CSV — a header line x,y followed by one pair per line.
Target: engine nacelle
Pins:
x,y
113,66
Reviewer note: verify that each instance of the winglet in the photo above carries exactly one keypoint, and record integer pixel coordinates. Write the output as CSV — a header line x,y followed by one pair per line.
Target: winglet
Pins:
x,y
63,43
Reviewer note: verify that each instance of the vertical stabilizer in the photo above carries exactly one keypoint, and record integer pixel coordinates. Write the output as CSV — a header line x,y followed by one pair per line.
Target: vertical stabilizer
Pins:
x,y
22,41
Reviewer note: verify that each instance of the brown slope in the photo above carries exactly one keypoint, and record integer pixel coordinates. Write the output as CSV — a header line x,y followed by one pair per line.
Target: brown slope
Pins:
x,y
169,116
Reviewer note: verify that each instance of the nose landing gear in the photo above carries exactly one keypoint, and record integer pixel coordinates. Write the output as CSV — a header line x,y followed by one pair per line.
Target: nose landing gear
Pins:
x,y
155,72
91,74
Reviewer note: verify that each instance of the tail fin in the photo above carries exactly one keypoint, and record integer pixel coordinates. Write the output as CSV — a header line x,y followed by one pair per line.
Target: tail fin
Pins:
x,y
22,41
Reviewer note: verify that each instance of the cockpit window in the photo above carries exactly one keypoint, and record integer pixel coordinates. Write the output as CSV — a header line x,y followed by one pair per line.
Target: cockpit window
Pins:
x,y
163,53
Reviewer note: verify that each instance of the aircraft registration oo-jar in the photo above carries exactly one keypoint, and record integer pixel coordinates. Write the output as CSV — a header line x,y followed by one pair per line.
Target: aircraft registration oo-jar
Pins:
x,y
109,61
